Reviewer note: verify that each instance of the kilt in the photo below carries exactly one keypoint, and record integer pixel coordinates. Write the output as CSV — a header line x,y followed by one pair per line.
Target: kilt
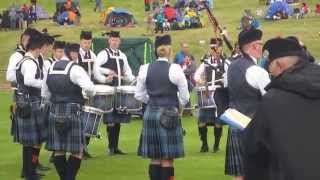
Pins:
x,y
234,153
157,142
13,129
115,117
30,131
207,115
72,140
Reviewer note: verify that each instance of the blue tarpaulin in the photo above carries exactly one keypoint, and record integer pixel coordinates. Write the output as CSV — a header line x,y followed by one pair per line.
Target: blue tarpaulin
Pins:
x,y
279,6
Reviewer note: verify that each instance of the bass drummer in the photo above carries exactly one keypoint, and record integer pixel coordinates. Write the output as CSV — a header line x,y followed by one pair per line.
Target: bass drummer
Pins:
x,y
210,73
111,68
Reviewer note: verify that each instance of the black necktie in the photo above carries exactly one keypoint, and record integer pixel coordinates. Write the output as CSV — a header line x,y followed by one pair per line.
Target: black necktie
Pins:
x,y
86,55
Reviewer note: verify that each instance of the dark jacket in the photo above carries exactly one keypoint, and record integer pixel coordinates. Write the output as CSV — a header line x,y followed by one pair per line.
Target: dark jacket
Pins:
x,y
281,142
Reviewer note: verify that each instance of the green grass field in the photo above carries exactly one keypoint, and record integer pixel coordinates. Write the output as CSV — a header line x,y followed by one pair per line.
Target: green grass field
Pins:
x,y
195,165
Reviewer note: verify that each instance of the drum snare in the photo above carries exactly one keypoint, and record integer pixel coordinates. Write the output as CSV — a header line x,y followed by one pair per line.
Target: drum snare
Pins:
x,y
92,118
125,100
203,100
104,98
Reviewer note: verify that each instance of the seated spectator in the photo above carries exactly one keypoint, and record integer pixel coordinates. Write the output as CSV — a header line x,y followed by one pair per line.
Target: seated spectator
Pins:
x,y
317,10
159,22
68,5
169,13
304,10
0,21
166,25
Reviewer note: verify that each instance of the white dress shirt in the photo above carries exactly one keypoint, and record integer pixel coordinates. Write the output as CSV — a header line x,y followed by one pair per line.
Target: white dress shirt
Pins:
x,y
14,59
83,52
100,73
78,76
176,76
257,77
29,71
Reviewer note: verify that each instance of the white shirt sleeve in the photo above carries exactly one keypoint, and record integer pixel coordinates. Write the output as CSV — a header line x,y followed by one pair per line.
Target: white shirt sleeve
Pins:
x,y
45,92
79,77
199,72
141,93
100,72
46,65
258,78
29,71
11,69
178,78
225,74
127,70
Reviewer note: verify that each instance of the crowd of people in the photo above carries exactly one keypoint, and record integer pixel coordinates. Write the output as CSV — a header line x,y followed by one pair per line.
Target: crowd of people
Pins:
x,y
68,13
17,17
183,15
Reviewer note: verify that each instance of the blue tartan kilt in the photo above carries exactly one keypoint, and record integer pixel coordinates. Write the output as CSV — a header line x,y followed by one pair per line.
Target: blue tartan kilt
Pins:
x,y
70,138
157,142
207,115
30,131
234,153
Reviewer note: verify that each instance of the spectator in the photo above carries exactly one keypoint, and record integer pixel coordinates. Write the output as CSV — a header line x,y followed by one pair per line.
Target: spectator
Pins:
x,y
186,60
13,18
68,5
317,10
26,13
304,10
159,22
20,19
150,24
33,13
0,22
99,6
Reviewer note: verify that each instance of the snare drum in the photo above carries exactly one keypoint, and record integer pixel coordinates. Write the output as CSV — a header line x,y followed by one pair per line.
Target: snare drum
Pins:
x,y
125,99
204,101
92,118
104,98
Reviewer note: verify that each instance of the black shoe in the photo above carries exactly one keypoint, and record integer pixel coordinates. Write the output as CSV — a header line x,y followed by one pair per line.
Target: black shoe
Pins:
x,y
119,152
41,167
51,160
86,155
111,152
204,148
215,149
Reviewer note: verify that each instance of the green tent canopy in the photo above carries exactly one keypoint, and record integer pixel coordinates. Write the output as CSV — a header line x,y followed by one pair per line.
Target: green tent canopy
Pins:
x,y
139,51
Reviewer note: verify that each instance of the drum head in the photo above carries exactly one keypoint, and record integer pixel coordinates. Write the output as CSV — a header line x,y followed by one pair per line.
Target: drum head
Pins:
x,y
104,90
126,89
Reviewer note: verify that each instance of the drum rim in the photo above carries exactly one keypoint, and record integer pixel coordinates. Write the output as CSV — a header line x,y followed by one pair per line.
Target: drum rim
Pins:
x,y
105,93
123,89
104,88
203,88
96,110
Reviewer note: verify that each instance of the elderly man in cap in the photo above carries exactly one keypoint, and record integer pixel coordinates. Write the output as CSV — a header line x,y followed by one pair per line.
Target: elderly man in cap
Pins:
x,y
279,143
246,83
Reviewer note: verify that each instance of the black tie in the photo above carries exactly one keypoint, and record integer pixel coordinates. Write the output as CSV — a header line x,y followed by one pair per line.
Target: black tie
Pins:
x,y
86,55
